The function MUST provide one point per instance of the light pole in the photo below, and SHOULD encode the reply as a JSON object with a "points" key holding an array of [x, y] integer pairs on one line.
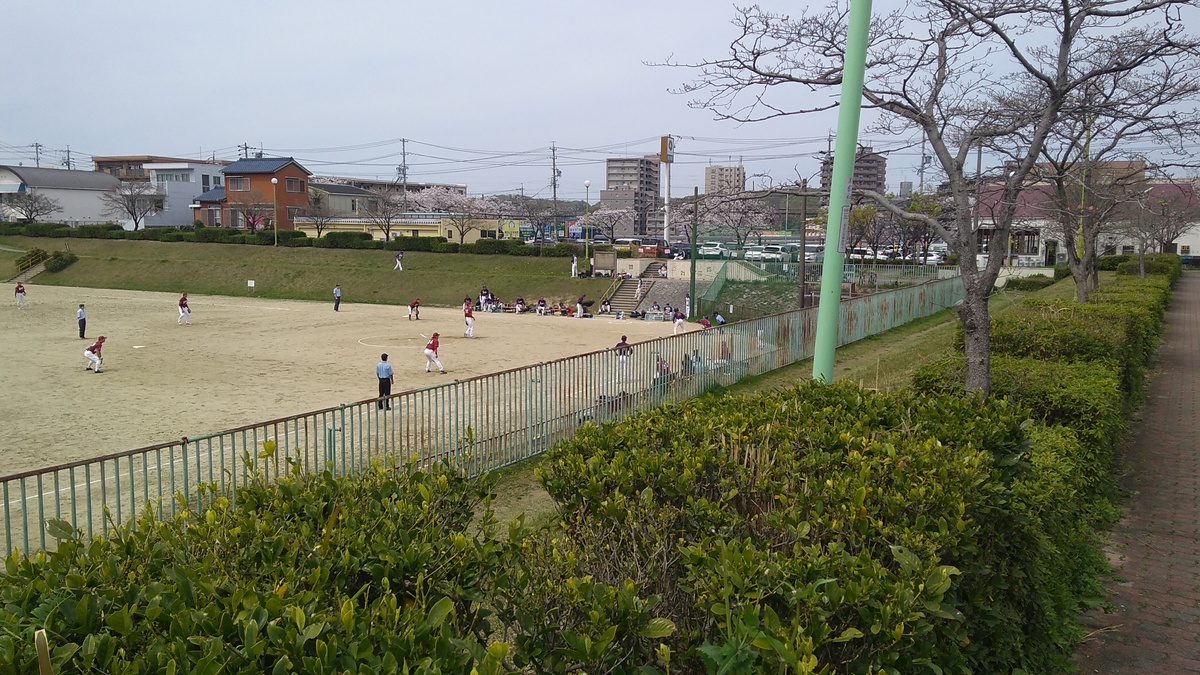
{"points": [[587, 187], [275, 208]]}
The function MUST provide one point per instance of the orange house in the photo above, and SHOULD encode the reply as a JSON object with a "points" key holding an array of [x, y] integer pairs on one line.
{"points": [[261, 190]]}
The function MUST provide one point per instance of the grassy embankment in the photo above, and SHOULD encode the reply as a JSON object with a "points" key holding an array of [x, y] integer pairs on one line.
{"points": [[305, 273]]}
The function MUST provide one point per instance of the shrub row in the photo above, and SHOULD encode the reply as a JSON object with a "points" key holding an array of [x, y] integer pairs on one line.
{"points": [[60, 260], [370, 574], [1033, 282], [821, 529], [350, 240]]}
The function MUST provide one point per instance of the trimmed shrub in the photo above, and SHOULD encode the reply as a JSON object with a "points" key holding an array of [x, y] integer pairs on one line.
{"points": [[1109, 263], [298, 242], [1062, 272], [171, 236], [445, 247], [787, 526], [1164, 264], [60, 260], [42, 229], [1033, 282], [288, 235], [1083, 396], [562, 250], [213, 234], [413, 243], [98, 231], [10, 229], [345, 240], [487, 247]]}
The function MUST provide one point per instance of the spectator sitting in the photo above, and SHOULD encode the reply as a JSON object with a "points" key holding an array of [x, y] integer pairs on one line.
{"points": [[605, 308], [719, 319], [541, 307], [562, 309], [705, 322], [668, 310], [662, 271], [655, 307], [520, 304]]}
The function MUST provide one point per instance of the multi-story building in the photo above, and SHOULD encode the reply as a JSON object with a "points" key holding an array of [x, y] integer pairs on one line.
{"points": [[374, 183], [724, 179], [178, 183], [632, 183], [132, 168], [870, 171]]}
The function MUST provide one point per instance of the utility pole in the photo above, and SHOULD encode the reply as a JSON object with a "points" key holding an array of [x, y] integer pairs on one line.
{"points": [[37, 154], [67, 161], [554, 174], [245, 148], [803, 242], [404, 169]]}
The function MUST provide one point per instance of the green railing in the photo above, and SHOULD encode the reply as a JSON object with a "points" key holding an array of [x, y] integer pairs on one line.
{"points": [[481, 424]]}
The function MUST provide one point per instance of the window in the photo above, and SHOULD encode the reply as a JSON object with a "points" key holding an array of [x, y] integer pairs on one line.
{"points": [[1025, 243], [236, 219], [416, 233], [204, 182], [1185, 250], [353, 205], [295, 185], [239, 184], [294, 212], [1127, 250]]}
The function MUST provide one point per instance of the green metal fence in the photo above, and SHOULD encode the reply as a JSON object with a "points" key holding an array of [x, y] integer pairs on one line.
{"points": [[481, 424]]}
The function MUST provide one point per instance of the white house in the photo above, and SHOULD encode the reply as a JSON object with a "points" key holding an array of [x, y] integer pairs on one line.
{"points": [[77, 193], [179, 183]]}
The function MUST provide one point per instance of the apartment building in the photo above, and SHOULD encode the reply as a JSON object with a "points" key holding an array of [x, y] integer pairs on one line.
{"points": [[633, 183], [870, 171], [724, 179]]}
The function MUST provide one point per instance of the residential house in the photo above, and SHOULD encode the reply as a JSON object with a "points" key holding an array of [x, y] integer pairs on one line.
{"points": [[77, 193], [131, 168], [256, 193], [179, 183]]}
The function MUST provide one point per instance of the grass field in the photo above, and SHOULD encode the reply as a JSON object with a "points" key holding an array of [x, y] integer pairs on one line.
{"points": [[439, 279]]}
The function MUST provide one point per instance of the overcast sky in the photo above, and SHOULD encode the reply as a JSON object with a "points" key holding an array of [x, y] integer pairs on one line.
{"points": [[480, 89]]}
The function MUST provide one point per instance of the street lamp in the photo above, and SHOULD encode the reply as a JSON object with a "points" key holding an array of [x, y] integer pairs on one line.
{"points": [[275, 208], [587, 187]]}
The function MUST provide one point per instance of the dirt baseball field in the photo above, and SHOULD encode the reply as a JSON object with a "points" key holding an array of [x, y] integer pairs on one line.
{"points": [[243, 360]]}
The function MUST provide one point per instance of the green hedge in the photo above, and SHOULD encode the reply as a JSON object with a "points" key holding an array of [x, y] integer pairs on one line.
{"points": [[1033, 282], [1168, 265], [826, 526], [346, 240], [371, 574], [1109, 263], [60, 260]]}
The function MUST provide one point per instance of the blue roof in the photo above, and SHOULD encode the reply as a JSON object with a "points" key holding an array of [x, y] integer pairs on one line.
{"points": [[262, 165], [213, 195]]}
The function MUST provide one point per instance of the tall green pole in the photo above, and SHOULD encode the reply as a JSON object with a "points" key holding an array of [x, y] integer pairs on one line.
{"points": [[853, 73], [692, 311]]}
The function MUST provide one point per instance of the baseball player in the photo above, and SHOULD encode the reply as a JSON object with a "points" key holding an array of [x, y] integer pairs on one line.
{"points": [[92, 354], [623, 349], [82, 317], [399, 259], [431, 355], [185, 312], [678, 327], [579, 306], [469, 318], [574, 265], [637, 295], [19, 294], [541, 307], [414, 310]]}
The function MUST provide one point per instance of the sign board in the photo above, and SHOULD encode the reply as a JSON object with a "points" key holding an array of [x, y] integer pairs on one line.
{"points": [[666, 152], [249, 283], [606, 260]]}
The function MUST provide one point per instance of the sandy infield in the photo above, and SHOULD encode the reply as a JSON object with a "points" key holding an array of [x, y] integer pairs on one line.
{"points": [[242, 361]]}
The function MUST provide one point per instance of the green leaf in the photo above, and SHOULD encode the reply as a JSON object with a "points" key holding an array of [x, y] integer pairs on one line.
{"points": [[848, 635], [347, 615], [441, 609], [120, 621], [909, 562], [59, 529], [657, 628], [268, 450]]}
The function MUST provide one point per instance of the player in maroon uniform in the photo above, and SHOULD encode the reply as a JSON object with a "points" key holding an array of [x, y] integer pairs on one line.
{"points": [[92, 354], [19, 293], [431, 354], [469, 317], [414, 310], [185, 312]]}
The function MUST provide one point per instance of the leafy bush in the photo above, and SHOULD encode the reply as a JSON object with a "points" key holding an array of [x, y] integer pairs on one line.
{"points": [[60, 260], [98, 231], [213, 234], [345, 240], [11, 229], [1109, 263], [1062, 272], [413, 243], [488, 247], [825, 526], [561, 250], [32, 257], [42, 229], [1168, 265], [171, 236], [1033, 282], [298, 242], [445, 247], [288, 235], [317, 574]]}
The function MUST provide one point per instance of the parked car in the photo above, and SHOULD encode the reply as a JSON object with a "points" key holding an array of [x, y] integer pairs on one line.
{"points": [[753, 253], [774, 254], [814, 253], [625, 244], [860, 254], [713, 249], [930, 258]]}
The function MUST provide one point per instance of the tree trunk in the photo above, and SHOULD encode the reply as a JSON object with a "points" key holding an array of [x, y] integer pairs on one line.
{"points": [[973, 312]]}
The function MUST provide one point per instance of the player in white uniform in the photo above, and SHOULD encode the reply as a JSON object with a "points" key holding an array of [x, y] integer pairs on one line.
{"points": [[469, 318], [678, 327], [431, 354]]}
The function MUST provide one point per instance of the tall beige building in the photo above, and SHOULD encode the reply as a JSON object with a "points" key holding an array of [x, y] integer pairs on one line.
{"points": [[724, 179], [870, 171], [632, 183]]}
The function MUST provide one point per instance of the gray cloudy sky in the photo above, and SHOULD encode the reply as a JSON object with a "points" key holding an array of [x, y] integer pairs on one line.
{"points": [[480, 89]]}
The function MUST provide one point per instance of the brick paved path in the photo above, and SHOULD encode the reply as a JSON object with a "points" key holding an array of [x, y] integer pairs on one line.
{"points": [[1156, 628]]}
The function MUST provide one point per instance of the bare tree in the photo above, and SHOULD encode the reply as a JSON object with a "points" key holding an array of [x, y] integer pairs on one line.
{"points": [[320, 212], [1157, 217], [967, 74], [132, 200], [739, 218], [255, 208], [30, 206], [384, 208]]}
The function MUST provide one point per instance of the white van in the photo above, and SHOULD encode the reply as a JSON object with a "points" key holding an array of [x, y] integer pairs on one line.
{"points": [[627, 244]]}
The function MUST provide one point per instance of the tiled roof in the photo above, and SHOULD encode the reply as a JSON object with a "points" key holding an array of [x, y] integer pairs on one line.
{"points": [[262, 165], [63, 178], [214, 195], [338, 189], [1037, 201]]}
